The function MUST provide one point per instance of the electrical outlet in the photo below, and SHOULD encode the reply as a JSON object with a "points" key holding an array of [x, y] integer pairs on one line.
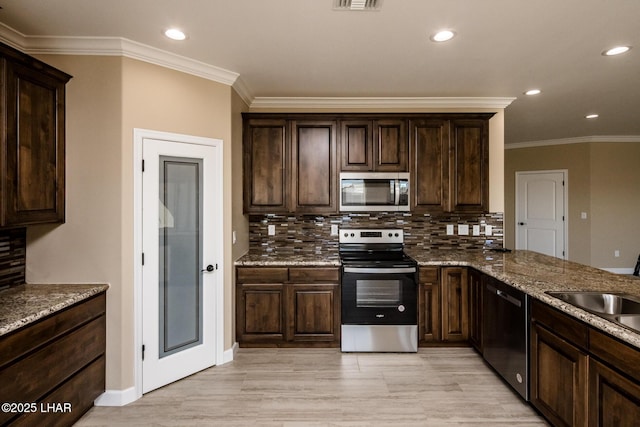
{"points": [[271, 230], [334, 229], [583, 215], [450, 230], [616, 253], [488, 230], [476, 230], [463, 230]]}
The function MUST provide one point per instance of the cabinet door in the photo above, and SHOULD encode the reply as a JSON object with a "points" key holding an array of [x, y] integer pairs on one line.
{"points": [[391, 150], [266, 180], [429, 140], [558, 372], [260, 313], [614, 400], [35, 147], [314, 167], [475, 309], [429, 306], [455, 304], [356, 145], [313, 312], [470, 166]]}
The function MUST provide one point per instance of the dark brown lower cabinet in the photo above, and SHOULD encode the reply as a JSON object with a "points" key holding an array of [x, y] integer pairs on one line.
{"points": [[614, 400], [581, 376], [455, 304], [57, 360], [429, 305], [288, 307], [558, 378]]}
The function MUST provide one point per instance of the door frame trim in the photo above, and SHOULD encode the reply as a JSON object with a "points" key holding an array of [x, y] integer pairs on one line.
{"points": [[565, 177], [138, 137]]}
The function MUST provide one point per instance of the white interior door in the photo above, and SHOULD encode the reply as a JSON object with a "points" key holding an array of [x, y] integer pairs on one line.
{"points": [[181, 213], [540, 212]]}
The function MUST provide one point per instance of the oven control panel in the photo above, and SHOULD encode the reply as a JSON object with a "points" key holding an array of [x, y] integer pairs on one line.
{"points": [[370, 235]]}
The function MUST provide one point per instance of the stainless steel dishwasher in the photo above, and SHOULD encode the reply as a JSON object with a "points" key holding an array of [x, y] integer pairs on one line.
{"points": [[506, 333]]}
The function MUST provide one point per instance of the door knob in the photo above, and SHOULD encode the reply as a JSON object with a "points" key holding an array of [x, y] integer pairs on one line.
{"points": [[210, 268]]}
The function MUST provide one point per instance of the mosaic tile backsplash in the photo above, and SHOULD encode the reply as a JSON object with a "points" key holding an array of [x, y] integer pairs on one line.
{"points": [[311, 234]]}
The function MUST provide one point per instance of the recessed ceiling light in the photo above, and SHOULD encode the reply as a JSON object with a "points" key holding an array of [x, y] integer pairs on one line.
{"points": [[533, 92], [591, 116], [616, 50], [443, 36], [175, 34]]}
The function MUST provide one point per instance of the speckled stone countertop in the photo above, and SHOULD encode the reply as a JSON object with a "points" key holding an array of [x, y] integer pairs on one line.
{"points": [[533, 273], [280, 260], [24, 304]]}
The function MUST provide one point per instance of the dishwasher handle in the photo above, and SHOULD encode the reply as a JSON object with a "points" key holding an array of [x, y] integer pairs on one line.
{"points": [[505, 296]]}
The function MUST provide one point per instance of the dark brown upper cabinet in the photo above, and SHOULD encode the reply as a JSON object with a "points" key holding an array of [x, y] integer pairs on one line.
{"points": [[313, 154], [469, 165], [32, 147], [292, 161], [266, 166], [374, 145], [450, 164]]}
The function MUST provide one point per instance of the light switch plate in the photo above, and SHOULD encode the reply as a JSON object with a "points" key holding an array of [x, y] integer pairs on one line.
{"points": [[463, 230], [583, 215], [476, 230], [449, 229], [334, 229], [271, 230], [488, 230]]}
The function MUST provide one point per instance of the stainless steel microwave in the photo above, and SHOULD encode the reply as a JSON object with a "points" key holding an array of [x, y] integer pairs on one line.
{"points": [[374, 191]]}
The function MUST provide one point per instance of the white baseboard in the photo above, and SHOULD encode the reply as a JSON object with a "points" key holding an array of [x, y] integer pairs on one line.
{"points": [[230, 354], [124, 397], [117, 397], [618, 270]]}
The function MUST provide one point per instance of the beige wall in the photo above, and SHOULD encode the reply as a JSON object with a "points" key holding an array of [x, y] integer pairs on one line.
{"points": [[107, 98], [604, 182], [615, 204]]}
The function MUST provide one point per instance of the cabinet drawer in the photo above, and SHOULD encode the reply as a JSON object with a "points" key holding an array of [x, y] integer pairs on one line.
{"points": [[561, 324], [32, 377], [310, 274], [625, 358], [429, 274], [80, 392], [39, 334], [262, 274]]}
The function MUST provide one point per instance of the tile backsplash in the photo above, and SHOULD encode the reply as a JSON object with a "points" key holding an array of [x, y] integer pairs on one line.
{"points": [[311, 234], [13, 250]]}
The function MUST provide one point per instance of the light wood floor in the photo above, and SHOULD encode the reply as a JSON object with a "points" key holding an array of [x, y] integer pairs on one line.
{"points": [[324, 387]]}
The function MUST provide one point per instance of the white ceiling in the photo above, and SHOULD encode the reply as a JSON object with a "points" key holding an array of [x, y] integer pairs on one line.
{"points": [[304, 48]]}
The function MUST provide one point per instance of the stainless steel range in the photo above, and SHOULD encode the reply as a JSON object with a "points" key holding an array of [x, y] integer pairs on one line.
{"points": [[379, 292]]}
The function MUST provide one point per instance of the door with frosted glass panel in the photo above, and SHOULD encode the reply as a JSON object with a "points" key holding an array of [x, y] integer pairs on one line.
{"points": [[180, 269]]}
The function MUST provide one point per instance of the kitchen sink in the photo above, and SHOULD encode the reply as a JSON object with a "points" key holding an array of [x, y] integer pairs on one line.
{"points": [[601, 303], [617, 307]]}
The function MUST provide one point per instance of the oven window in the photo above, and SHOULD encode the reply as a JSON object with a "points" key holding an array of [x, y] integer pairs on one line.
{"points": [[378, 293]]}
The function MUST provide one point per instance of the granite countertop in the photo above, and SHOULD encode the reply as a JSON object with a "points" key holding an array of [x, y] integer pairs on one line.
{"points": [[24, 304], [531, 272]]}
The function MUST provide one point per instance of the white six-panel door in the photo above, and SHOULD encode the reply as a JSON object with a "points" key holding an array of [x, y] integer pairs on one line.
{"points": [[540, 212]]}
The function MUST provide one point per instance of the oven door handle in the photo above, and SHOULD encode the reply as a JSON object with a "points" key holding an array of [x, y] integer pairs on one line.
{"points": [[380, 270]]}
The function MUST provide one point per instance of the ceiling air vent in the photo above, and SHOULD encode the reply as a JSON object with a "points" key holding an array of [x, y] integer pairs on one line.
{"points": [[357, 5]]}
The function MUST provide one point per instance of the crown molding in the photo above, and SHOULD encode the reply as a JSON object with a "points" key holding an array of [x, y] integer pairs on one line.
{"points": [[576, 140], [114, 46], [496, 103]]}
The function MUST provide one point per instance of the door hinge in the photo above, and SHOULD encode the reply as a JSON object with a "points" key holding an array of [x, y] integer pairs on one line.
{"points": [[142, 258], [142, 165], [563, 182], [142, 351]]}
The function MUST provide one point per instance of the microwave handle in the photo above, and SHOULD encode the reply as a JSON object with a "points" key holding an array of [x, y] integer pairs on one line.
{"points": [[397, 198]]}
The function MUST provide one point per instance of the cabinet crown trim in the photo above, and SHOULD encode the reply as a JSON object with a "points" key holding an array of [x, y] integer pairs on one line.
{"points": [[380, 102]]}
